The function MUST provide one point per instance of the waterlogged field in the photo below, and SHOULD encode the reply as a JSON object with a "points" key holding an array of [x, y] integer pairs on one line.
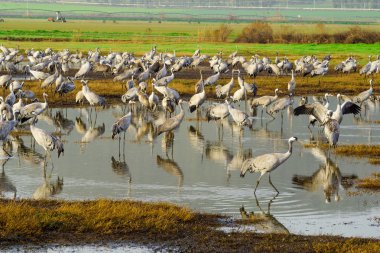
{"points": [[198, 166]]}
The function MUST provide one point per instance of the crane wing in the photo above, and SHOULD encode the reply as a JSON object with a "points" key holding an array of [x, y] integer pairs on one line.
{"points": [[315, 109], [349, 107]]}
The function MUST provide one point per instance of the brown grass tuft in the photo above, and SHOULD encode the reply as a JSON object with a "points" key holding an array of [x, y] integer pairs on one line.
{"points": [[372, 182], [257, 32]]}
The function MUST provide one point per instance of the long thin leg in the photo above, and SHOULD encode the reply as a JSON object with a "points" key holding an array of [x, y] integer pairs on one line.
{"points": [[270, 181], [119, 146], [257, 184]]}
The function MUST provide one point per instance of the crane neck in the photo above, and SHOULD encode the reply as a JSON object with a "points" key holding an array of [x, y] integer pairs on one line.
{"points": [[290, 150]]}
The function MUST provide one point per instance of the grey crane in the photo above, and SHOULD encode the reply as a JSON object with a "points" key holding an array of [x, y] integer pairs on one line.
{"points": [[173, 122], [366, 67], [50, 79], [6, 110], [92, 97], [5, 80], [153, 100], [319, 111], [5, 129], [199, 84], [265, 101], [79, 97], [85, 68], [225, 89], [39, 75], [16, 86], [239, 94], [331, 129], [266, 163], [16, 108], [250, 88], [65, 87], [212, 79], [143, 98], [32, 110], [292, 84], [121, 125], [47, 141], [11, 98], [164, 81], [217, 111], [281, 104], [363, 96], [197, 100], [162, 72], [240, 117], [168, 104]]}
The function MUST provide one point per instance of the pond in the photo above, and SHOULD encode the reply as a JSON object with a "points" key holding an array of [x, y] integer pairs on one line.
{"points": [[198, 166]]}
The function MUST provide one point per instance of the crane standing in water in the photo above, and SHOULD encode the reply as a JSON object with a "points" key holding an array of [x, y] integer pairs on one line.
{"points": [[266, 163]]}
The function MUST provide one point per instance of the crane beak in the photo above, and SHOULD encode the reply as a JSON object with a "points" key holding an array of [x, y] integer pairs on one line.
{"points": [[241, 174]]}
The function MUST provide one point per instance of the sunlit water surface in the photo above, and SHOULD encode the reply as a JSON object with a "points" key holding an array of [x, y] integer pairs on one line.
{"points": [[198, 166]]}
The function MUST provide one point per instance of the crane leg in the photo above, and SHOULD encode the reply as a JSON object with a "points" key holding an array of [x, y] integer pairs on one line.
{"points": [[119, 145], [270, 181], [257, 184]]}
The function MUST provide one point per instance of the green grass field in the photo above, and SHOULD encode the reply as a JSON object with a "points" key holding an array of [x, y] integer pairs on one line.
{"points": [[123, 12], [75, 30], [139, 36], [292, 50]]}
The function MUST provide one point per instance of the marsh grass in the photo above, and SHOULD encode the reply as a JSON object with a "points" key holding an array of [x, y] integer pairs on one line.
{"points": [[28, 219], [102, 221], [372, 182]]}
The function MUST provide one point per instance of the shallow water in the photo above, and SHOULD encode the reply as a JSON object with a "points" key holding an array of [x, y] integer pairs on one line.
{"points": [[198, 166]]}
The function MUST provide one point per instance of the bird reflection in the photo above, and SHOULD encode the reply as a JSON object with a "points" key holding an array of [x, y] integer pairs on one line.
{"points": [[6, 184], [26, 154], [63, 123], [80, 126], [238, 159], [171, 167], [328, 177], [264, 221], [91, 134], [167, 143], [49, 187], [218, 152], [121, 168], [196, 139]]}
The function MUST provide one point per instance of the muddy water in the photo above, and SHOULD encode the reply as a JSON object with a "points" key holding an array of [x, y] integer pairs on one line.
{"points": [[198, 166]]}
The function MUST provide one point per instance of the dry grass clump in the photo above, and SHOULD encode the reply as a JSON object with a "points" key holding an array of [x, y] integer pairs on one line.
{"points": [[349, 246], [28, 219], [219, 34], [257, 32], [372, 182], [359, 150]]}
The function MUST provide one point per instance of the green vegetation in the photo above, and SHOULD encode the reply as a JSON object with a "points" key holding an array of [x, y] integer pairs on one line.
{"points": [[63, 222], [338, 51], [93, 30]]}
